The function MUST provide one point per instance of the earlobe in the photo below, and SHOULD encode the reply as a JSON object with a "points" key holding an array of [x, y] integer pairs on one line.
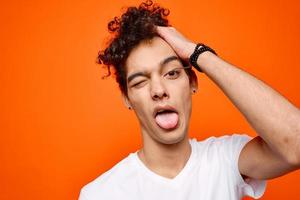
{"points": [[194, 83], [126, 102], [194, 91]]}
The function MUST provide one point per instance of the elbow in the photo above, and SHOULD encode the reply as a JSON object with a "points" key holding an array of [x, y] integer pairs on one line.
{"points": [[297, 160], [292, 142], [293, 157], [294, 161]]}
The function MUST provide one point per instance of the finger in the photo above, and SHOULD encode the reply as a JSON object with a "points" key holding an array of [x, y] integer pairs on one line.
{"points": [[159, 28], [160, 31]]}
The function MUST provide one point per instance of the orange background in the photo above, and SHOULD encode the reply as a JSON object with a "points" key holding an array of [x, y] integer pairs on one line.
{"points": [[62, 125]]}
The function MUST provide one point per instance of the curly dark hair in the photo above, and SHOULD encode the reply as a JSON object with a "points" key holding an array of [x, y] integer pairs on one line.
{"points": [[135, 25]]}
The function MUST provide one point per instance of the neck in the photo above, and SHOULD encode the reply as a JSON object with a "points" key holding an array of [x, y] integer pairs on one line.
{"points": [[165, 159]]}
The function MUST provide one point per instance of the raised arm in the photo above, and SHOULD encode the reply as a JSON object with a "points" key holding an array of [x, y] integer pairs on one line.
{"points": [[276, 151]]}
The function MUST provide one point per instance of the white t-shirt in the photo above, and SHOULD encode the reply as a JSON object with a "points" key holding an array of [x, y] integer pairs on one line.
{"points": [[210, 173]]}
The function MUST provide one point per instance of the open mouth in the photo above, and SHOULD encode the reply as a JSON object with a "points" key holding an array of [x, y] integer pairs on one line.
{"points": [[166, 118]]}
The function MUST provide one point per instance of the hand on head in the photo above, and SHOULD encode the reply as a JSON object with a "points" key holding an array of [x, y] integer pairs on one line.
{"points": [[181, 45]]}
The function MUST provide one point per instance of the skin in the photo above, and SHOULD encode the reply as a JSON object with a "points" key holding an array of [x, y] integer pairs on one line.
{"points": [[276, 149], [164, 151]]}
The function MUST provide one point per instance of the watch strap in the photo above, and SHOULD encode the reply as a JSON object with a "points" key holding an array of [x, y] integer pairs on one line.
{"points": [[200, 48]]}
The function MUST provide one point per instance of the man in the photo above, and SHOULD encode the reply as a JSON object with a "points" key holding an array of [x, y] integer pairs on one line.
{"points": [[157, 84]]}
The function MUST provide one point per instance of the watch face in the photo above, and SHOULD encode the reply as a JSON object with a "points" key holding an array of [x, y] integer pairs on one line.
{"points": [[199, 47]]}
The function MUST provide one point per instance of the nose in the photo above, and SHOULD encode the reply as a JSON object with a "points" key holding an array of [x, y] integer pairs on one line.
{"points": [[158, 90]]}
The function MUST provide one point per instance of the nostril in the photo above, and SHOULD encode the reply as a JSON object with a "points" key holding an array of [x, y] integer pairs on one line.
{"points": [[156, 96], [159, 93]]}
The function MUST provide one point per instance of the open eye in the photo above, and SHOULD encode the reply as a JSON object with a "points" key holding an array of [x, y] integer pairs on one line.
{"points": [[173, 73]]}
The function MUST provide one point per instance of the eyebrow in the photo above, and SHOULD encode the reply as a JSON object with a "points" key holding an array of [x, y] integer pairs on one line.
{"points": [[161, 64]]}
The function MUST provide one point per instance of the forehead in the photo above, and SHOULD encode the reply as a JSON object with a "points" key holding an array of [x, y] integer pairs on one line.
{"points": [[148, 54]]}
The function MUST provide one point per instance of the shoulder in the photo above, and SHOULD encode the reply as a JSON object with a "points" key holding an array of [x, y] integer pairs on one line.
{"points": [[227, 138], [224, 148], [226, 141], [105, 184], [221, 155]]}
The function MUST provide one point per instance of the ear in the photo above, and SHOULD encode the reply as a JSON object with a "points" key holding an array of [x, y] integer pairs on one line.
{"points": [[126, 101], [193, 83]]}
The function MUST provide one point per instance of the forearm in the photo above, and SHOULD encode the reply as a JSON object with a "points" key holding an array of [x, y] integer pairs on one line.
{"points": [[272, 116]]}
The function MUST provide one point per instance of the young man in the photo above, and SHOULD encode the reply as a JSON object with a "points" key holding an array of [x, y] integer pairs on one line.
{"points": [[157, 84]]}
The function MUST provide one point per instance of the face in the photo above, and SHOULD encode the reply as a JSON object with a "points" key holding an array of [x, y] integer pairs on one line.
{"points": [[152, 82]]}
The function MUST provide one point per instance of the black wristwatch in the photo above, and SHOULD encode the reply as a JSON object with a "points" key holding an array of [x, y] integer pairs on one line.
{"points": [[200, 48]]}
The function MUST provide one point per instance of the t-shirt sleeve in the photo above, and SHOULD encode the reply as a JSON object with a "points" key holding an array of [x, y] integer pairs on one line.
{"points": [[82, 195], [251, 187]]}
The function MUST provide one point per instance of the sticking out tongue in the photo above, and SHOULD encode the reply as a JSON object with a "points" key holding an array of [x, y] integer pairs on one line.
{"points": [[167, 120]]}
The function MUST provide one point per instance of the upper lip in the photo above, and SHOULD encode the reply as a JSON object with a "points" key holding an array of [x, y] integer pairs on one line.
{"points": [[163, 107]]}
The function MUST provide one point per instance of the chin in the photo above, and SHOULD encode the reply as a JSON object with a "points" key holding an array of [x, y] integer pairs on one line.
{"points": [[174, 139], [173, 136]]}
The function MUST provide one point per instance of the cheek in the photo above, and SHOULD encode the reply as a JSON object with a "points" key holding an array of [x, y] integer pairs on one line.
{"points": [[181, 88], [182, 94], [139, 96], [140, 102]]}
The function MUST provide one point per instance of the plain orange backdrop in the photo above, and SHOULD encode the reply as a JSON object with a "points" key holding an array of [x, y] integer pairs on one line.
{"points": [[62, 125]]}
